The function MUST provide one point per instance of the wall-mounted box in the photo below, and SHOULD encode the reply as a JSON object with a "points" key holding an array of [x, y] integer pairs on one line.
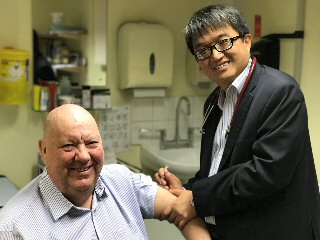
{"points": [[145, 56]]}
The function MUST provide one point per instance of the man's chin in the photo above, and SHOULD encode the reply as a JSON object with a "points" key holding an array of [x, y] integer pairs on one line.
{"points": [[84, 185]]}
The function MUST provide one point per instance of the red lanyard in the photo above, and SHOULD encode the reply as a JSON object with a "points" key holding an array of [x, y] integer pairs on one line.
{"points": [[244, 88]]}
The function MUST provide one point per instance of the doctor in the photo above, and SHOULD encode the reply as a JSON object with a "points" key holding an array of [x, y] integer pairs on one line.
{"points": [[257, 178]]}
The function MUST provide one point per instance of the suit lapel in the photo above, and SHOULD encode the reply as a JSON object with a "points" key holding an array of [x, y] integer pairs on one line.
{"points": [[207, 140], [239, 118]]}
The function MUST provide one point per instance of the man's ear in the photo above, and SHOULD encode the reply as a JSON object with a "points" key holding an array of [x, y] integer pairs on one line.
{"points": [[248, 39], [42, 148]]}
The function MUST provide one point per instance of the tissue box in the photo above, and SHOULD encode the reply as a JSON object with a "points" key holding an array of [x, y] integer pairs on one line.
{"points": [[101, 99]]}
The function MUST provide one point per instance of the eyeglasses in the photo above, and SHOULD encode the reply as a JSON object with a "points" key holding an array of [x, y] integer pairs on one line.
{"points": [[220, 46]]}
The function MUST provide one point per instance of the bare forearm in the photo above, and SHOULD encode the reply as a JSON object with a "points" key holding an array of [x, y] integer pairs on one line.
{"points": [[196, 229]]}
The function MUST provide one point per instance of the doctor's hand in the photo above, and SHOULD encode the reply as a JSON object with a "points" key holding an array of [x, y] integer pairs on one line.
{"points": [[167, 179], [181, 210]]}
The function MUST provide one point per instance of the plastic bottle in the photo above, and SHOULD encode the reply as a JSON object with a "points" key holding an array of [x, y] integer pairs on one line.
{"points": [[86, 97], [65, 86]]}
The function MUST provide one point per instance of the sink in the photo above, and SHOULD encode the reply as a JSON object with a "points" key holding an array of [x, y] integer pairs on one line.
{"points": [[183, 162]]}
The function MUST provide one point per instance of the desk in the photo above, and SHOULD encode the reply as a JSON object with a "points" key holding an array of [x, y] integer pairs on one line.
{"points": [[7, 190]]}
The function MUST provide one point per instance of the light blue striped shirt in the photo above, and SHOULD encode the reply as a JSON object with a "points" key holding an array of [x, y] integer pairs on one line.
{"points": [[122, 199]]}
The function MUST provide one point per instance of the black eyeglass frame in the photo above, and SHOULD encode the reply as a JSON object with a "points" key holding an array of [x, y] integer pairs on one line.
{"points": [[213, 46]]}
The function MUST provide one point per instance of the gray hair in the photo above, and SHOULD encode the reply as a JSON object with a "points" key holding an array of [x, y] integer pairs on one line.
{"points": [[214, 17]]}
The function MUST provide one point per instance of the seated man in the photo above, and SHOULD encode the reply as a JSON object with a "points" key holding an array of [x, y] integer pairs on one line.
{"points": [[76, 197]]}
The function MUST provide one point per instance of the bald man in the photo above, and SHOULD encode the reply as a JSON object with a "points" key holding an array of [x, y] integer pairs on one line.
{"points": [[76, 197]]}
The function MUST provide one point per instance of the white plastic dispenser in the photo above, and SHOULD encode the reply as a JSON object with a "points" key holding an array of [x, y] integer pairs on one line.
{"points": [[145, 56]]}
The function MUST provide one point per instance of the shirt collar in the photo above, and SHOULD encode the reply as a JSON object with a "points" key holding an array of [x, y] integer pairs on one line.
{"points": [[57, 204], [237, 84]]}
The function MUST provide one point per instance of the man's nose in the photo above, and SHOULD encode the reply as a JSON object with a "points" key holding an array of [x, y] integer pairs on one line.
{"points": [[82, 153], [215, 55]]}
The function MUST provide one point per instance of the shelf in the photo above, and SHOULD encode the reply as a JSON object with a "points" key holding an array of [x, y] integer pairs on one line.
{"points": [[71, 68], [66, 35], [88, 109]]}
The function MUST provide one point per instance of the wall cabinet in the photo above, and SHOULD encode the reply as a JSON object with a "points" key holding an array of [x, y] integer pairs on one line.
{"points": [[62, 50]]}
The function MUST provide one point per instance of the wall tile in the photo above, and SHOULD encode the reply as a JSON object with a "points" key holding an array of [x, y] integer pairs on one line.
{"points": [[141, 109]]}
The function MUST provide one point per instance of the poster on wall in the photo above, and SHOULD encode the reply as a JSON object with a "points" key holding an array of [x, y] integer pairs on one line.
{"points": [[114, 125]]}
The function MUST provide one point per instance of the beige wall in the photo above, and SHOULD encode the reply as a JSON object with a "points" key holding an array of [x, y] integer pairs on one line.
{"points": [[20, 128], [310, 82], [172, 14]]}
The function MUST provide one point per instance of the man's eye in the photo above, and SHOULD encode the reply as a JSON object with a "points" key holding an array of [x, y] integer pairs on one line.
{"points": [[92, 144], [223, 42], [68, 147], [205, 50]]}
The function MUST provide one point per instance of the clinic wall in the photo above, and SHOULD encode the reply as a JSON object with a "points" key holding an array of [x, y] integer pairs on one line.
{"points": [[310, 82], [172, 14], [273, 22], [20, 128]]}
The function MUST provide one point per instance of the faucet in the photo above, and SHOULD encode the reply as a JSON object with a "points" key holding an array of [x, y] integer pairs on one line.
{"points": [[177, 141]]}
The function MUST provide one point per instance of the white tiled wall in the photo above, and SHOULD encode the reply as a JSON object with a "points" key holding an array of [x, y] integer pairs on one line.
{"points": [[160, 113]]}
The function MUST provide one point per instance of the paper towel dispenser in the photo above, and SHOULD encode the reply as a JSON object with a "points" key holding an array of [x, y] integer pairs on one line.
{"points": [[145, 55]]}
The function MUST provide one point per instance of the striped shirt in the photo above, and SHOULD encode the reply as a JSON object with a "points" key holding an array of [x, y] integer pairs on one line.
{"points": [[121, 200], [227, 102]]}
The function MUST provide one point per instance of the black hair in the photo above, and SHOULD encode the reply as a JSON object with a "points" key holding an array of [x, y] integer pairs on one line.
{"points": [[211, 18]]}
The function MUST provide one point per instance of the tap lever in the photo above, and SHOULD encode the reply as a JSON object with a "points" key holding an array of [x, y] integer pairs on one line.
{"points": [[149, 132]]}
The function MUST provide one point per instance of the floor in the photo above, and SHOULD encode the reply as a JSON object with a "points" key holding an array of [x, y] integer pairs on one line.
{"points": [[162, 230]]}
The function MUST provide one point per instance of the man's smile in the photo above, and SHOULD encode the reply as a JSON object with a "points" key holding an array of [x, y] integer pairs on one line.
{"points": [[83, 169], [221, 66]]}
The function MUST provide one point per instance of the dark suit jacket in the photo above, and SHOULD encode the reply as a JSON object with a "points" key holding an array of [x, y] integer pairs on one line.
{"points": [[266, 186]]}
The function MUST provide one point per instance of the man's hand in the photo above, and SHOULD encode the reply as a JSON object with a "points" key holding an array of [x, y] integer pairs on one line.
{"points": [[181, 210], [167, 179], [194, 229]]}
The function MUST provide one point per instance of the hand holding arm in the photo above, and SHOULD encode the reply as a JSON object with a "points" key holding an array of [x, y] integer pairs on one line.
{"points": [[194, 228], [167, 179], [182, 211]]}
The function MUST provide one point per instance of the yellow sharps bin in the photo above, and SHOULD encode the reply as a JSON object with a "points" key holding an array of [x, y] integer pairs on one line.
{"points": [[13, 76]]}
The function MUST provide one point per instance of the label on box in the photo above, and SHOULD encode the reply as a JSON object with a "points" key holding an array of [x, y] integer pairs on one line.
{"points": [[101, 99]]}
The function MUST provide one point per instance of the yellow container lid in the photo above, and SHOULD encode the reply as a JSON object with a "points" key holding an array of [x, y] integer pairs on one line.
{"points": [[16, 54]]}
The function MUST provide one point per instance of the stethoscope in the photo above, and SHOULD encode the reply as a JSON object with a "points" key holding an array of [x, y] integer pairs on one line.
{"points": [[215, 97]]}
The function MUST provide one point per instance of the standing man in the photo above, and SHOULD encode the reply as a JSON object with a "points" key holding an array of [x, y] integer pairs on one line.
{"points": [[257, 177]]}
